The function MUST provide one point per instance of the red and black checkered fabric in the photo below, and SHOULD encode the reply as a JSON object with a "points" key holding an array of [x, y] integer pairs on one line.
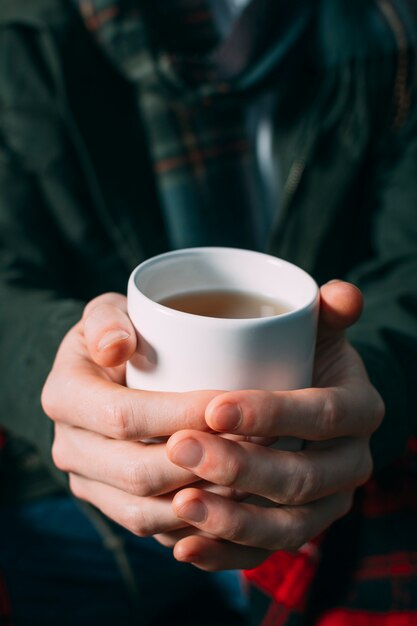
{"points": [[362, 572]]}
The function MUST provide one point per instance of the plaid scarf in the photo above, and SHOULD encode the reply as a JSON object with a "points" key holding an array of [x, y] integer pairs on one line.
{"points": [[188, 79]]}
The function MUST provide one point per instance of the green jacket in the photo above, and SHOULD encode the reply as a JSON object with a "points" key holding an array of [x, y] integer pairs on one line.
{"points": [[75, 216]]}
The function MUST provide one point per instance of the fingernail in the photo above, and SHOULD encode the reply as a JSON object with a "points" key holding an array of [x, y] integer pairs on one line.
{"points": [[227, 418], [194, 511], [187, 453], [112, 337]]}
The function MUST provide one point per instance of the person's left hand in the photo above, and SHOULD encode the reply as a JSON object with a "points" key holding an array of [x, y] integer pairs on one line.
{"points": [[299, 494]]}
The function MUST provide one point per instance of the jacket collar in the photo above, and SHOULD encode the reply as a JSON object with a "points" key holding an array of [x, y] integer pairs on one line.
{"points": [[160, 38]]}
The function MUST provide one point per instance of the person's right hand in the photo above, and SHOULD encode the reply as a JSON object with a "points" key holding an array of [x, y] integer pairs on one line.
{"points": [[99, 423]]}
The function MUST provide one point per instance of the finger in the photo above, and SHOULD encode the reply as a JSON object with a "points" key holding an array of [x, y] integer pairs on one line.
{"points": [[280, 528], [133, 467], [315, 414], [283, 477], [141, 516], [166, 539], [341, 305], [170, 539], [213, 555], [75, 393], [108, 331]]}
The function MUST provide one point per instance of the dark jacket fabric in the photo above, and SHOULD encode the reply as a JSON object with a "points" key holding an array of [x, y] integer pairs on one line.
{"points": [[79, 206]]}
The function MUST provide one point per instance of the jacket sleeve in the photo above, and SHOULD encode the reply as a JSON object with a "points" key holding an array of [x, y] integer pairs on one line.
{"points": [[386, 335], [35, 310]]}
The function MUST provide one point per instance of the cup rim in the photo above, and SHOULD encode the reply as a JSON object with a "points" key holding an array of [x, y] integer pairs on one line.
{"points": [[147, 264]]}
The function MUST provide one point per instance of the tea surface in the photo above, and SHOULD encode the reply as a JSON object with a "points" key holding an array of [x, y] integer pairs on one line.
{"points": [[226, 304]]}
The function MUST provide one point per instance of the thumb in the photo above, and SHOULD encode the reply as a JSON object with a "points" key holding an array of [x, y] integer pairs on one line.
{"points": [[108, 331], [341, 305]]}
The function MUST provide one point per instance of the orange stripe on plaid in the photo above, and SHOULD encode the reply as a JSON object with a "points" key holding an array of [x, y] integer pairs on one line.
{"points": [[197, 157], [94, 20]]}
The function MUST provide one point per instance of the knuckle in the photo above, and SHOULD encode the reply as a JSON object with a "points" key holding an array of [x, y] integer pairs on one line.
{"points": [[305, 484], [58, 455], [250, 411], [255, 403], [103, 299], [296, 533], [235, 529], [90, 306], [49, 398], [379, 413], [228, 475], [138, 522], [116, 420], [76, 487], [332, 411], [311, 486], [192, 412], [137, 480]]}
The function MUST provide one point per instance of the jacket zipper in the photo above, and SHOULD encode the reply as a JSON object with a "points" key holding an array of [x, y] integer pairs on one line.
{"points": [[293, 182], [310, 135], [402, 99]]}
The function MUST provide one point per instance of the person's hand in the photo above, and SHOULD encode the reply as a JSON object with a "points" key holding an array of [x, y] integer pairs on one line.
{"points": [[305, 491], [99, 423]]}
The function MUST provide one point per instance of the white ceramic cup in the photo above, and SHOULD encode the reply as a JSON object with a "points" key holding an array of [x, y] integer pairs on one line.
{"points": [[182, 352]]}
